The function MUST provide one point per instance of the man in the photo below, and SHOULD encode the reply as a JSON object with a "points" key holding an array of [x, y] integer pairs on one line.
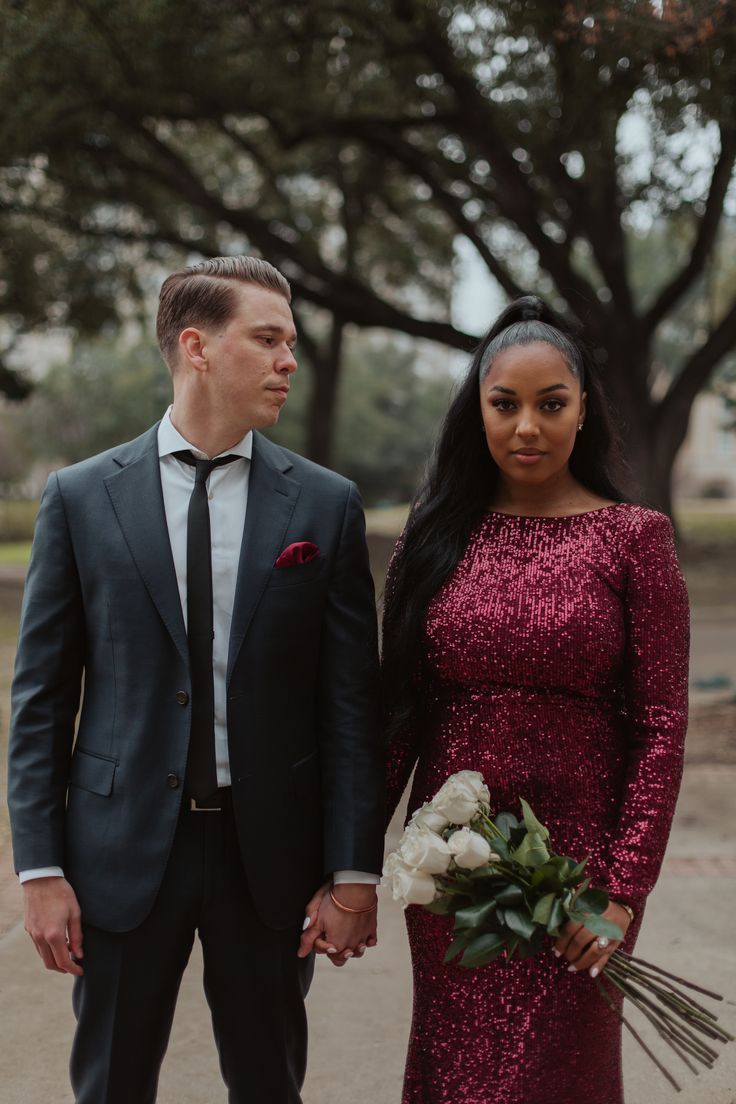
{"points": [[221, 617]]}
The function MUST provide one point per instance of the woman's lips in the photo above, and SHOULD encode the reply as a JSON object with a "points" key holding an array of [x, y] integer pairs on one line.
{"points": [[528, 457]]}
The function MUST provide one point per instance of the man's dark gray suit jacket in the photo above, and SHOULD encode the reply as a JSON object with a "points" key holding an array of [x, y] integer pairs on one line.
{"points": [[102, 606]]}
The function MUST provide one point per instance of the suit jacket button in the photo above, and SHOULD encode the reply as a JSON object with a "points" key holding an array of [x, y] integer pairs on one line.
{"points": [[172, 781], [182, 697]]}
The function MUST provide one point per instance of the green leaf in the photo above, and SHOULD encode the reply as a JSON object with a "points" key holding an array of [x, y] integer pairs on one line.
{"points": [[482, 872], [510, 894], [520, 923], [459, 943], [501, 847], [474, 916], [557, 917], [597, 925], [532, 851], [483, 950], [547, 877], [576, 872], [543, 909], [592, 900], [505, 822], [442, 906], [531, 822]]}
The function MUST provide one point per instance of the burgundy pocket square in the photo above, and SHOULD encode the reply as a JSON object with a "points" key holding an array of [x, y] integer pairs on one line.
{"points": [[300, 553]]}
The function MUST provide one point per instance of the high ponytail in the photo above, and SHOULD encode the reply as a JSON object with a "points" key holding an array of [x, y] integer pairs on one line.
{"points": [[461, 482]]}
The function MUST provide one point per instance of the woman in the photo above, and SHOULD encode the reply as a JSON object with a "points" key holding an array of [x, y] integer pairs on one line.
{"points": [[536, 630]]}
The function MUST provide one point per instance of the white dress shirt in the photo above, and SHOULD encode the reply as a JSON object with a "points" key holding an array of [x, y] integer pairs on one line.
{"points": [[227, 491]]}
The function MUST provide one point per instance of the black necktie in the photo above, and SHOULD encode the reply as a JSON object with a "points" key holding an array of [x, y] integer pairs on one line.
{"points": [[201, 774]]}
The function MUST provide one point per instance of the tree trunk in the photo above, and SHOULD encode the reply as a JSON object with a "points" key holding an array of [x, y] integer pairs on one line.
{"points": [[326, 368]]}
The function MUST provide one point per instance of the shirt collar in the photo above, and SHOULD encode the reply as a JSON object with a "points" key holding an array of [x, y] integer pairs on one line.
{"points": [[170, 440]]}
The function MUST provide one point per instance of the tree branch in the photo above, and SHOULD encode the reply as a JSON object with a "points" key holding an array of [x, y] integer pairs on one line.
{"points": [[697, 371], [706, 233]]}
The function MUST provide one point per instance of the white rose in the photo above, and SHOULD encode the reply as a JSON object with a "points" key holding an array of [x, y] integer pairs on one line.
{"points": [[469, 849], [428, 817], [459, 798], [411, 887], [424, 850]]}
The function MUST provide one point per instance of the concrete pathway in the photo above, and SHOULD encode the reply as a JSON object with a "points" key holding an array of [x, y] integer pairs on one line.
{"points": [[360, 1015]]}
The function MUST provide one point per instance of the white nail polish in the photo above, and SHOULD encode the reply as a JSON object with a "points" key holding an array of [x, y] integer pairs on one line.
{"points": [[572, 969], [307, 922], [556, 953], [594, 971], [332, 950]]}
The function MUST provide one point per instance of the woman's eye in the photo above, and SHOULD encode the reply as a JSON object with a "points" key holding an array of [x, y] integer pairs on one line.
{"points": [[503, 404], [552, 405]]}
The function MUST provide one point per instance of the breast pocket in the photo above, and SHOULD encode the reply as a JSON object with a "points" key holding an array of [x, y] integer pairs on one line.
{"points": [[297, 574]]}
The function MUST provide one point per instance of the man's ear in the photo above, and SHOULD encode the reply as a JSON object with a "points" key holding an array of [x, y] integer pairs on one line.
{"points": [[191, 349]]}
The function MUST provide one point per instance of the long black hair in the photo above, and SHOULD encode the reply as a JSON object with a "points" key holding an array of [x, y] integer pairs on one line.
{"points": [[460, 485]]}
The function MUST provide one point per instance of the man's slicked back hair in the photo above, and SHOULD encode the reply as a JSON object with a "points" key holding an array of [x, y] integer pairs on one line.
{"points": [[204, 295]]}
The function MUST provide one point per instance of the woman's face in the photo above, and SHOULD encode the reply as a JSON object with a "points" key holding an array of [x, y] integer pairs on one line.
{"points": [[531, 406]]}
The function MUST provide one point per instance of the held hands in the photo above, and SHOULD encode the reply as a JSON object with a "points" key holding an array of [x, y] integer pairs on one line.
{"points": [[54, 922], [332, 931], [580, 946]]}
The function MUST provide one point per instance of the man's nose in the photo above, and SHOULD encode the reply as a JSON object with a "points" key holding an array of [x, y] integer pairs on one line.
{"points": [[287, 362]]}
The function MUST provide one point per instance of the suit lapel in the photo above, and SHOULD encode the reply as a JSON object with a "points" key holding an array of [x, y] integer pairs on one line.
{"points": [[272, 497], [137, 499]]}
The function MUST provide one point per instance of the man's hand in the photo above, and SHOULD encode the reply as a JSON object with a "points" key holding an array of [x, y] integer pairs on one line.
{"points": [[54, 922], [339, 934]]}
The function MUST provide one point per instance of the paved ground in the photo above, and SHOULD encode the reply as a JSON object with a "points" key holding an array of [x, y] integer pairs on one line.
{"points": [[360, 1015]]}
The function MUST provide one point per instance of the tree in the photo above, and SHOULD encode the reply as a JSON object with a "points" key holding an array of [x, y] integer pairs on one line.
{"points": [[352, 141], [104, 392], [108, 390]]}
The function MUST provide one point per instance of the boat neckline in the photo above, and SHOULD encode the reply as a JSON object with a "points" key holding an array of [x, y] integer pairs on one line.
{"points": [[556, 517]]}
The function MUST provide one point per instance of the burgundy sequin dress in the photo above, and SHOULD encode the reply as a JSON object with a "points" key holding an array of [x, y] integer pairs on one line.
{"points": [[555, 663]]}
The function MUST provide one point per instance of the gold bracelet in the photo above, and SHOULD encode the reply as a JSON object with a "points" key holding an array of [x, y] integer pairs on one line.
{"points": [[627, 908], [346, 908]]}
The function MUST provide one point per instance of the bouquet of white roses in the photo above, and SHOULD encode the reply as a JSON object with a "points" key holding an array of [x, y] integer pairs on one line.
{"points": [[509, 892]]}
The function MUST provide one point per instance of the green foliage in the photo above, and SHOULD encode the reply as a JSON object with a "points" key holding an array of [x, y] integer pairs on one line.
{"points": [[103, 394], [389, 409], [353, 143], [520, 899], [106, 392]]}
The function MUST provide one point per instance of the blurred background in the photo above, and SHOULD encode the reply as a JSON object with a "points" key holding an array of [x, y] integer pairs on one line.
{"points": [[410, 165]]}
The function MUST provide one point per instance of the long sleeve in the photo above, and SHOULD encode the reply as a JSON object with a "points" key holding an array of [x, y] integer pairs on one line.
{"points": [[403, 748], [350, 743], [46, 691], [656, 683]]}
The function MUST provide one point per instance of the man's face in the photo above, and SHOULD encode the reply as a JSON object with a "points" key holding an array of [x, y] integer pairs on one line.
{"points": [[250, 359]]}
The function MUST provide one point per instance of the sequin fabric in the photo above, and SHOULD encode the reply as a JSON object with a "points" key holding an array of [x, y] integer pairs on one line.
{"points": [[555, 663]]}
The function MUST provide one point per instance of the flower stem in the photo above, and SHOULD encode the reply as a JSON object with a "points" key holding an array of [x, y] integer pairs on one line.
{"points": [[606, 996]]}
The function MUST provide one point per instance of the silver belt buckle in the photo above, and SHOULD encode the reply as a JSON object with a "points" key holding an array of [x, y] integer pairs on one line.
{"points": [[195, 808]]}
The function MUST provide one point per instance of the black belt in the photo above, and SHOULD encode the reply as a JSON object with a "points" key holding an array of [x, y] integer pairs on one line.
{"points": [[217, 803]]}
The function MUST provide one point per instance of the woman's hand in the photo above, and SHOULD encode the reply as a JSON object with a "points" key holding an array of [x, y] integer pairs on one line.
{"points": [[580, 946]]}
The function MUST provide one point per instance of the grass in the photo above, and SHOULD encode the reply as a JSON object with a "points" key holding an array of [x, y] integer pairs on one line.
{"points": [[706, 526], [15, 553], [17, 519]]}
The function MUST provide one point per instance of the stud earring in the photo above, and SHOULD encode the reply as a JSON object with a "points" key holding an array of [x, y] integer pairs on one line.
{"points": [[580, 426]]}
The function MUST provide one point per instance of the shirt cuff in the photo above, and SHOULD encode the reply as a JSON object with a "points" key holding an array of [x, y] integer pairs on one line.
{"points": [[360, 877], [40, 872]]}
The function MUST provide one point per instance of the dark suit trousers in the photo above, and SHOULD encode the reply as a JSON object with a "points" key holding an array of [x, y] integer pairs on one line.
{"points": [[254, 983]]}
